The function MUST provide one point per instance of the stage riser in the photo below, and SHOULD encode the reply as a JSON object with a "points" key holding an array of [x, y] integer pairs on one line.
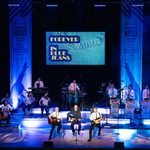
{"points": [[101, 110]]}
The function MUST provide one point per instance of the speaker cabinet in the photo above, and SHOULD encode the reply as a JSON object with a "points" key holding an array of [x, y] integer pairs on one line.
{"points": [[119, 145], [47, 144]]}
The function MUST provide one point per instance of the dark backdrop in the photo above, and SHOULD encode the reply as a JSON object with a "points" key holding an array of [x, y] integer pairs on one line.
{"points": [[146, 45], [75, 17], [4, 49]]}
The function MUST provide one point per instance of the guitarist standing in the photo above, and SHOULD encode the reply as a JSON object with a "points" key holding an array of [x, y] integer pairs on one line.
{"points": [[95, 122], [75, 118], [55, 120]]}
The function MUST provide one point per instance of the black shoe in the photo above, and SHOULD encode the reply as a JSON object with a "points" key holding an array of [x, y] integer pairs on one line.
{"points": [[99, 134], [89, 140]]}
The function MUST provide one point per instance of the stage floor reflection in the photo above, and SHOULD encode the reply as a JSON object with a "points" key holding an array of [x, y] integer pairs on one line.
{"points": [[34, 138]]}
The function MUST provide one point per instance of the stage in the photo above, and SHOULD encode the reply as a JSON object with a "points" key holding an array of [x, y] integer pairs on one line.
{"points": [[33, 132]]}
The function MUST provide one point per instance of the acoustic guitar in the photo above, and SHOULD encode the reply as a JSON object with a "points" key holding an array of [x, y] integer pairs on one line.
{"points": [[98, 120], [53, 120]]}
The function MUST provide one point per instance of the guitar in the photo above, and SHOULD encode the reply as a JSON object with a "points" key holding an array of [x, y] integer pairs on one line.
{"points": [[72, 118], [53, 120], [98, 120]]}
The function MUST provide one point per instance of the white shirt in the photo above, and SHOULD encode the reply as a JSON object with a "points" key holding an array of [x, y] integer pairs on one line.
{"points": [[112, 92], [73, 87], [41, 84], [44, 101], [55, 114], [95, 116], [128, 94], [146, 93], [6, 110], [29, 100]]}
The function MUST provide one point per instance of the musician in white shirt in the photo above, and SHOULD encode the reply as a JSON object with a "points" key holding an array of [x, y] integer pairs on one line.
{"points": [[6, 111], [146, 93], [55, 118], [112, 92], [44, 103], [28, 102], [39, 83], [128, 93], [73, 92], [95, 118]]}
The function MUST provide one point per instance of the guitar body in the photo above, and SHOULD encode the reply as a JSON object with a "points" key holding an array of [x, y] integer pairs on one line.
{"points": [[98, 120], [70, 119], [53, 120]]}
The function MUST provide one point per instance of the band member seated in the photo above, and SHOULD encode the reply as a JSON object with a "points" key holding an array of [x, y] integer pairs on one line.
{"points": [[6, 111], [146, 93], [28, 102], [8, 99], [95, 118], [55, 120], [128, 93], [73, 92], [39, 83], [44, 104], [74, 117], [112, 92]]}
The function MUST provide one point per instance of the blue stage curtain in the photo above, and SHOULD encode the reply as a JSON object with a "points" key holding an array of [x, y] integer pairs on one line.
{"points": [[131, 45], [20, 28]]}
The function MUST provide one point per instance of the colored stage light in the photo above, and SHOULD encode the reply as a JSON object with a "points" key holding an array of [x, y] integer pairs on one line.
{"points": [[146, 121], [13, 5], [99, 5], [51, 5], [137, 5], [125, 134]]}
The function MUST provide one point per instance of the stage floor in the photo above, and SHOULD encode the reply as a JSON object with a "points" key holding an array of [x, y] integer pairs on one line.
{"points": [[34, 138]]}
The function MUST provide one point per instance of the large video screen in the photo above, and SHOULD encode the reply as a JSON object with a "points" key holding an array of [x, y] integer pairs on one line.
{"points": [[75, 48]]}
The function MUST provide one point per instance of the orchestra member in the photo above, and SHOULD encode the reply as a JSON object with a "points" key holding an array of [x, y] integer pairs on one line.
{"points": [[109, 86], [6, 111], [55, 120], [28, 102], [8, 99], [39, 83], [146, 93], [112, 92], [75, 118], [128, 93], [73, 92], [95, 118], [44, 104]]}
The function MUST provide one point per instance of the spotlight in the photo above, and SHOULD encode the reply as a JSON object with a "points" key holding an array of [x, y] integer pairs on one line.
{"points": [[51, 5], [137, 5], [99, 5], [13, 5]]}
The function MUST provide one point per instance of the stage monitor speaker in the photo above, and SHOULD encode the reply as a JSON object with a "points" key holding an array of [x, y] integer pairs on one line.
{"points": [[119, 145], [47, 144]]}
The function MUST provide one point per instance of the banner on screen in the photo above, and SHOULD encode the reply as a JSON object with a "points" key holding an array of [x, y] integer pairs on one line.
{"points": [[75, 48]]}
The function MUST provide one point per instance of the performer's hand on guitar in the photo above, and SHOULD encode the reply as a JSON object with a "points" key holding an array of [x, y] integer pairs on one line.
{"points": [[79, 119]]}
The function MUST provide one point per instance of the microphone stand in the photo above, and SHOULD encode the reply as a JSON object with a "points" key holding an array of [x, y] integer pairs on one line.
{"points": [[117, 133], [63, 95]]}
